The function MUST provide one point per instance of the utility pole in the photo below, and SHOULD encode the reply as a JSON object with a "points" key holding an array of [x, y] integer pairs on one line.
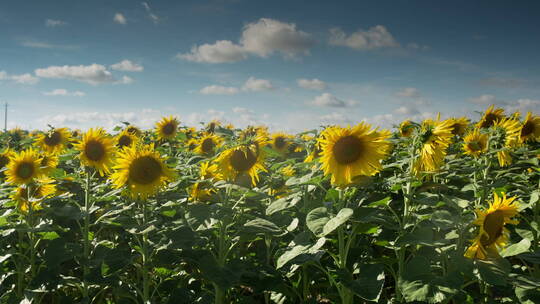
{"points": [[5, 117]]}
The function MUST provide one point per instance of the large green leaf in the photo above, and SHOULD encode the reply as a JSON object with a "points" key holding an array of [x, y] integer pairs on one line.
{"points": [[316, 219], [336, 221], [260, 225]]}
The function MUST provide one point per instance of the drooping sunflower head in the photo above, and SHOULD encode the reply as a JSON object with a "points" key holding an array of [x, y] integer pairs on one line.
{"points": [[406, 128], [200, 192], [492, 235], [208, 144], [31, 195], [167, 128], [490, 117], [54, 141], [475, 143], [434, 138], [352, 151], [210, 171], [126, 139], [142, 170], [242, 161], [459, 125], [24, 167], [48, 162], [505, 136], [281, 141], [97, 150], [530, 130]]}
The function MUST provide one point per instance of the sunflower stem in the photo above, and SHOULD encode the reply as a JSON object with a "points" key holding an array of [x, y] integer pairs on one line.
{"points": [[146, 282], [86, 232]]}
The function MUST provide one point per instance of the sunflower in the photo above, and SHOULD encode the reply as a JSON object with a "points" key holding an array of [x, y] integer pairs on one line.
{"points": [[142, 170], [435, 137], [251, 131], [493, 236], [406, 128], [54, 141], [210, 171], [475, 143], [490, 117], [211, 126], [530, 130], [131, 129], [96, 150], [506, 137], [199, 193], [192, 144], [459, 125], [34, 193], [125, 139], [352, 151], [242, 161], [281, 141], [167, 128], [24, 167], [4, 159], [288, 171], [48, 162], [208, 144]]}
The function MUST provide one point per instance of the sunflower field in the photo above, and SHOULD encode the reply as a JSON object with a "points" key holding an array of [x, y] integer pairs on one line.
{"points": [[437, 211]]}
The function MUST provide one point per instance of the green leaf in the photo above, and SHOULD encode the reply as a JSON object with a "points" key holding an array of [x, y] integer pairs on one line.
{"points": [[316, 219], [515, 249], [494, 272], [384, 202], [260, 225], [282, 204], [298, 250], [342, 217], [368, 284]]}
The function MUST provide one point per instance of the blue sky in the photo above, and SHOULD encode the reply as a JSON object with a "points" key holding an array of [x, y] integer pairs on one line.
{"points": [[292, 65]]}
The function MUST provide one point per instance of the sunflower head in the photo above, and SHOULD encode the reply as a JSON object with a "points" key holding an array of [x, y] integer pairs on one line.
{"points": [[406, 128], [490, 117], [434, 138], [31, 195], [492, 235], [54, 141], [131, 129], [212, 126], [459, 125], [208, 144], [281, 141], [288, 171], [210, 171], [352, 151], [475, 143], [126, 139], [242, 161], [142, 171], [199, 192], [167, 128], [530, 130], [96, 150], [505, 136], [24, 167], [48, 162]]}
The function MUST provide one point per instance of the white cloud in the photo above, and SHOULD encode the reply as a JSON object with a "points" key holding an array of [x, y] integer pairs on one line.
{"points": [[329, 100], [20, 79], [373, 38], [120, 19], [127, 66], [64, 92], [261, 38], [93, 74], [523, 105], [409, 93], [221, 51], [335, 119], [218, 90], [407, 110], [311, 84], [485, 99], [257, 85], [46, 45], [54, 23], [151, 15]]}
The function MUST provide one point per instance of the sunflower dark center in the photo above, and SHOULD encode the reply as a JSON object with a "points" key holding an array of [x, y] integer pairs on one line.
{"points": [[208, 145], [53, 139], [280, 142], [489, 119], [25, 170], [45, 161], [145, 170], [347, 149], [124, 141], [528, 129], [94, 150], [168, 129], [4, 160], [493, 226], [133, 130], [243, 160], [475, 145]]}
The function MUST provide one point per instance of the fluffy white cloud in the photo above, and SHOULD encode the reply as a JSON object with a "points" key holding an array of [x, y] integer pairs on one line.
{"points": [[20, 79], [407, 110], [335, 119], [127, 66], [261, 38], [64, 92], [256, 85], [329, 100], [373, 38], [221, 51], [120, 19], [93, 74], [409, 93], [54, 23], [523, 105], [311, 84], [218, 90], [484, 99]]}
